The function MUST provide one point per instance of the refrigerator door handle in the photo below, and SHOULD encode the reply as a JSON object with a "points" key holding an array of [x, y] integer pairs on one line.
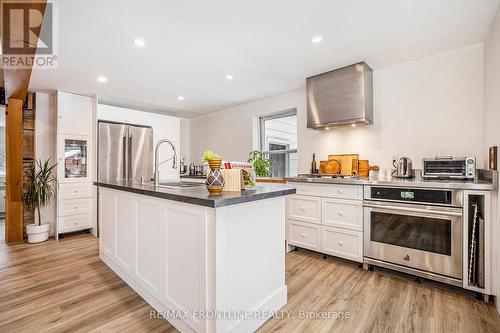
{"points": [[124, 158], [130, 176]]}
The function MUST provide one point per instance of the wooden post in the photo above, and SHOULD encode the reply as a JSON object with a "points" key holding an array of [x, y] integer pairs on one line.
{"points": [[14, 171]]}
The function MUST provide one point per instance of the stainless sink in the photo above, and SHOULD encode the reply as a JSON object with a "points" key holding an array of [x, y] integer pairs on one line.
{"points": [[177, 185]]}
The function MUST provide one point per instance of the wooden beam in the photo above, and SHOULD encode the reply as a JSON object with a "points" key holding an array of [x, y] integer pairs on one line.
{"points": [[17, 40], [16, 80], [14, 171]]}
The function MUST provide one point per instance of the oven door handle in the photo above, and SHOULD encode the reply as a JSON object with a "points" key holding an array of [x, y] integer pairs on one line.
{"points": [[414, 210]]}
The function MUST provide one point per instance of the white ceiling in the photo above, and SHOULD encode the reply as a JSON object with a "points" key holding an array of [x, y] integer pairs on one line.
{"points": [[265, 44]]}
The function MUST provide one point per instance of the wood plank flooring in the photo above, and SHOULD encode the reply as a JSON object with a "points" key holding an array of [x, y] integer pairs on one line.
{"points": [[63, 287]]}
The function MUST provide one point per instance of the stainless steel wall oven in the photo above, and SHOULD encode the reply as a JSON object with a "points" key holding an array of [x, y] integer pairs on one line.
{"points": [[417, 231]]}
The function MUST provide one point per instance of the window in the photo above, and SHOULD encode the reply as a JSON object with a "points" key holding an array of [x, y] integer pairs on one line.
{"points": [[279, 141]]}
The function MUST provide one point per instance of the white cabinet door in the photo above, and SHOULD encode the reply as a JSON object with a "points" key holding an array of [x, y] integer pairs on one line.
{"points": [[74, 207], [75, 190], [345, 214], [150, 254], [305, 235], [342, 243], [304, 208], [75, 114], [75, 222], [107, 222], [185, 258], [125, 233], [350, 192]]}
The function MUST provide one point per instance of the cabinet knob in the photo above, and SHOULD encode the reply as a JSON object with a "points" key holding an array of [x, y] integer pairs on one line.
{"points": [[303, 235], [302, 208], [76, 207], [340, 191], [76, 191], [341, 243], [340, 213]]}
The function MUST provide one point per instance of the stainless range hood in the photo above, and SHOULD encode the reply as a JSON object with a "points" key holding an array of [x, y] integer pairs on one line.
{"points": [[340, 97]]}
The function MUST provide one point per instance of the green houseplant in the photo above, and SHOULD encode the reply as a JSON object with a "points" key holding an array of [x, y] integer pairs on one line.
{"points": [[261, 164], [38, 191]]}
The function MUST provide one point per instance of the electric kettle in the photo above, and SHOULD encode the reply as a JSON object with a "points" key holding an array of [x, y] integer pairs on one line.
{"points": [[404, 168]]}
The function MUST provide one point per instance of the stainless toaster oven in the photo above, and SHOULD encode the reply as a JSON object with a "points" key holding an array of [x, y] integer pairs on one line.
{"points": [[449, 167]]}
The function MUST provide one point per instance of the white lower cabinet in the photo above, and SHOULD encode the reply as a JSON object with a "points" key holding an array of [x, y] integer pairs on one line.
{"points": [[75, 222], [342, 243], [75, 207], [304, 208], [327, 219], [342, 214], [305, 235], [159, 246]]}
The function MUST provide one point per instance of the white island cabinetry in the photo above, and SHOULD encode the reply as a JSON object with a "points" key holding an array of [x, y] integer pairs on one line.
{"points": [[187, 258]]}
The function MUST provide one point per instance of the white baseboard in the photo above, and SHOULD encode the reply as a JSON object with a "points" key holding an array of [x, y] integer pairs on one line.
{"points": [[274, 303]]}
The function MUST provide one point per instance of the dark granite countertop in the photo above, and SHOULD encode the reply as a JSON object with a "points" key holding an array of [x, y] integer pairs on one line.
{"points": [[200, 196]]}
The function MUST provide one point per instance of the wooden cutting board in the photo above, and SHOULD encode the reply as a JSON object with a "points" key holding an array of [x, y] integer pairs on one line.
{"points": [[348, 162], [331, 167], [365, 168]]}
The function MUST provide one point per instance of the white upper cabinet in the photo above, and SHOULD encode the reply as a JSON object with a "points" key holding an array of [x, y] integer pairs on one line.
{"points": [[74, 114], [164, 127]]}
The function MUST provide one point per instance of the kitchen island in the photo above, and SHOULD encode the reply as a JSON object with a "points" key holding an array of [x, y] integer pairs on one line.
{"points": [[205, 263]]}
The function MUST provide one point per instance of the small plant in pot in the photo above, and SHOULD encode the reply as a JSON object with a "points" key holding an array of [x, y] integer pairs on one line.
{"points": [[38, 191], [261, 164]]}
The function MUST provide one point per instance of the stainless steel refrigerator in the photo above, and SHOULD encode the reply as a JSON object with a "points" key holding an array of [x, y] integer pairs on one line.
{"points": [[125, 153]]}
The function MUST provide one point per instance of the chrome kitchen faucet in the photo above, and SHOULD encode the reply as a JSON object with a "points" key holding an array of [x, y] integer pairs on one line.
{"points": [[157, 164]]}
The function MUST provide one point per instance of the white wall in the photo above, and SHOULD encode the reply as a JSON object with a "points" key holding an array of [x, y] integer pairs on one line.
{"points": [[421, 108], [491, 128], [164, 127], [185, 140], [45, 142], [233, 133]]}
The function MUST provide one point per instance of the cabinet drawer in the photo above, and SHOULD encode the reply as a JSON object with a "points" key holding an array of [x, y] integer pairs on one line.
{"points": [[306, 235], [304, 208], [342, 243], [75, 206], [75, 222], [353, 192], [342, 214], [75, 191]]}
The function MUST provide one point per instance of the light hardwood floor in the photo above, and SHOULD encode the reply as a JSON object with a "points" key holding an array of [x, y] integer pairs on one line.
{"points": [[63, 287]]}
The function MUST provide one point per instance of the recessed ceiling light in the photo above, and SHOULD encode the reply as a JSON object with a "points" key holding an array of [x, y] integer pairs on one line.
{"points": [[317, 39], [139, 42], [180, 98], [102, 79], [229, 77]]}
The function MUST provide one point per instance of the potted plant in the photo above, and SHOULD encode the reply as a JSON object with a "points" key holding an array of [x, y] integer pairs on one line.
{"points": [[38, 191], [261, 164]]}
